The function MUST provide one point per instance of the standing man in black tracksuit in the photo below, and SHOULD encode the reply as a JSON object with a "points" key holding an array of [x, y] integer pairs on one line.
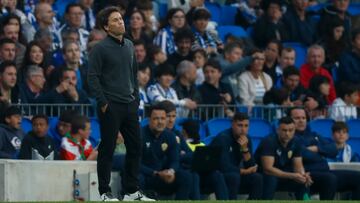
{"points": [[112, 79]]}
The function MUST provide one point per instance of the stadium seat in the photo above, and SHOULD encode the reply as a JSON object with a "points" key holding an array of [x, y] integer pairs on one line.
{"points": [[216, 125], [322, 127], [250, 31], [259, 128], [144, 122], [316, 8], [163, 8], [202, 130], [214, 10], [354, 128], [208, 140], [300, 50], [26, 125], [236, 31], [53, 122], [95, 135], [228, 14], [354, 9]]}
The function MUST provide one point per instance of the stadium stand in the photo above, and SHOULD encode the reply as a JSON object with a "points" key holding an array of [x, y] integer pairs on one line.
{"points": [[236, 31], [228, 15], [322, 127], [26, 125]]}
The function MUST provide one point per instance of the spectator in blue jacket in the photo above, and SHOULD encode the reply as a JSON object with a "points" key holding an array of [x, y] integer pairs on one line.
{"points": [[349, 62], [11, 134], [315, 150], [160, 169], [237, 160], [345, 154]]}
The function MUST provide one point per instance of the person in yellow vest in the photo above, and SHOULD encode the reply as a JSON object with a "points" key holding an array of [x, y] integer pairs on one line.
{"points": [[190, 133]]}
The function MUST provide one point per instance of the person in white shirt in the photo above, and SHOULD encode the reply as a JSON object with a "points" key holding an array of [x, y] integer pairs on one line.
{"points": [[343, 107]]}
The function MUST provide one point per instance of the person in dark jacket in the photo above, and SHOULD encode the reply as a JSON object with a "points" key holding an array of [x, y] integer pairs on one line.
{"points": [[315, 149], [11, 134], [37, 144], [9, 90], [160, 164], [237, 161]]}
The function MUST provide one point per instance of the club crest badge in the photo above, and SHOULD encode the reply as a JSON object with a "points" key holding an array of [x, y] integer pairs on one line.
{"points": [[290, 154], [164, 147], [177, 139]]}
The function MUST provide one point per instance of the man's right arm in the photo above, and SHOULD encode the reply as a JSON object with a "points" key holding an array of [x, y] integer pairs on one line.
{"points": [[267, 163], [95, 70]]}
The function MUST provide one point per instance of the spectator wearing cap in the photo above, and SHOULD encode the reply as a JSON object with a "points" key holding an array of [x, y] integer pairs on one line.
{"points": [[183, 40], [299, 24], [162, 90], [11, 134], [205, 39], [270, 26], [315, 60], [215, 91]]}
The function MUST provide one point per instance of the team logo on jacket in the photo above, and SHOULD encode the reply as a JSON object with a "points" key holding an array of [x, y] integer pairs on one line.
{"points": [[278, 152], [290, 154], [177, 139], [16, 143], [164, 147], [147, 144]]}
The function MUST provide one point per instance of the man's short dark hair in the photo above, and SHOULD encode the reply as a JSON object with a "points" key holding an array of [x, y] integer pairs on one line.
{"points": [[139, 42], [10, 111], [6, 41], [231, 46], [290, 70], [67, 115], [155, 107], [201, 14], [105, 14], [40, 116], [346, 89], [286, 120], [168, 106], [183, 33], [214, 64], [144, 5], [153, 50], [6, 64], [164, 69], [339, 125], [290, 110], [239, 116], [71, 5], [78, 122], [143, 67]]}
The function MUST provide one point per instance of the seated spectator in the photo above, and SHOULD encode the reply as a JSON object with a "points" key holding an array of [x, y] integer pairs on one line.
{"points": [[11, 134], [62, 127], [67, 92], [37, 144], [162, 90], [336, 9], [33, 86], [76, 145], [334, 43], [272, 52], [270, 26], [140, 51], [184, 85], [151, 22], [204, 38], [349, 61], [319, 90], [340, 136], [88, 22], [160, 161], [183, 40], [199, 58], [278, 98], [299, 23], [136, 29], [156, 57], [216, 92], [286, 59], [143, 76], [9, 90], [280, 160], [237, 160], [315, 60], [253, 83], [344, 107], [247, 13], [291, 82], [7, 50], [175, 20]]}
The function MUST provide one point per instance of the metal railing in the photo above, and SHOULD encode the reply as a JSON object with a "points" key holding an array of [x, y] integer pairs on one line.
{"points": [[53, 110]]}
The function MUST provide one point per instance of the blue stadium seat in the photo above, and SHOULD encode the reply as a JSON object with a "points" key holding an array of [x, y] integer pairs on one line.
{"points": [[26, 125], [228, 14], [355, 144], [259, 128], [316, 7], [144, 122], [300, 50], [95, 135], [322, 127], [236, 31], [163, 8], [53, 122], [354, 128], [214, 10], [354, 9], [216, 125], [250, 31], [208, 139]]}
